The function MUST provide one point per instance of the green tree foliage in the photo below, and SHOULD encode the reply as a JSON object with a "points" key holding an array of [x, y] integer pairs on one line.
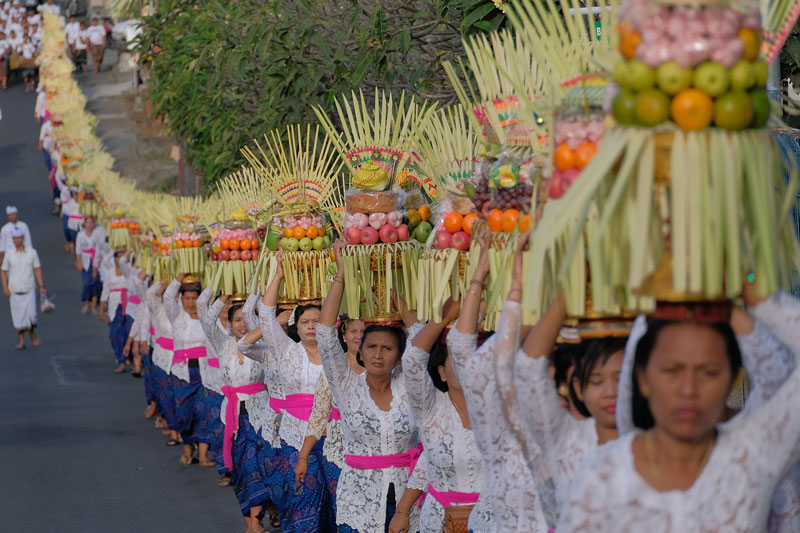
{"points": [[225, 72]]}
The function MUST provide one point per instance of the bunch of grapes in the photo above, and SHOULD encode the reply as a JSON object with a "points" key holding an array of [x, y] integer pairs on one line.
{"points": [[262, 233], [482, 194], [517, 197]]}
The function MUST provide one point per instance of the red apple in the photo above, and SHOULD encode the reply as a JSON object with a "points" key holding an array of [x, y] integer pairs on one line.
{"points": [[461, 240], [557, 185], [246, 255], [369, 235], [402, 232], [235, 255], [388, 233], [443, 240], [352, 235], [224, 255], [569, 176], [214, 257]]}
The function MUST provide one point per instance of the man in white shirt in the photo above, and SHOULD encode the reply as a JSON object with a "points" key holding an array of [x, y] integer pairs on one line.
{"points": [[72, 29], [19, 272], [81, 42], [13, 223], [49, 6], [97, 43], [41, 105]]}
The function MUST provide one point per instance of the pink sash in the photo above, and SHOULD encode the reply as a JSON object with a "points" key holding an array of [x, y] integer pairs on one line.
{"points": [[379, 462], [297, 405], [213, 362], [232, 416], [182, 356], [91, 252], [448, 498], [124, 299], [166, 343], [335, 414]]}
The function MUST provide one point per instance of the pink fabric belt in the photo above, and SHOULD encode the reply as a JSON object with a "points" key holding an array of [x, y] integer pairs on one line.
{"points": [[448, 498], [182, 356], [152, 330], [335, 414], [379, 462], [90, 251], [297, 405], [76, 217], [166, 343], [124, 299], [232, 416], [213, 362]]}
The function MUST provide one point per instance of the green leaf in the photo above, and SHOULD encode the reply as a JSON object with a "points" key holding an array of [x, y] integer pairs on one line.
{"points": [[360, 70]]}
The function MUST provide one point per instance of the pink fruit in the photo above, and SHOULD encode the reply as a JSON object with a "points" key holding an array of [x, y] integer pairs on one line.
{"points": [[557, 186], [214, 257], [569, 176], [402, 232], [729, 53], [360, 220], [245, 255], [461, 240], [353, 235], [395, 218], [689, 52], [224, 255], [388, 233], [369, 235], [443, 240], [235, 255], [377, 220]]}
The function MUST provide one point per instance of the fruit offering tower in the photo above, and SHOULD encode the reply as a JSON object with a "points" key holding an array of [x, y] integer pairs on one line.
{"points": [[378, 146], [302, 176], [687, 196]]}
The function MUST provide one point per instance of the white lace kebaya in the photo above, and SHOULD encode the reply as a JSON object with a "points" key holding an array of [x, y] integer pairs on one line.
{"points": [[368, 431], [511, 485], [322, 422], [452, 459], [733, 493]]}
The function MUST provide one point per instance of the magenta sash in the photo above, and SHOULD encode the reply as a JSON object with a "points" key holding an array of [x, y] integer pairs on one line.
{"points": [[124, 299], [182, 356], [448, 498], [91, 252], [379, 462], [297, 405], [213, 362], [335, 414], [232, 416]]}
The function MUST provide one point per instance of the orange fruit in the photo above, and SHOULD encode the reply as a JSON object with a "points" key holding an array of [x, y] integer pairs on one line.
{"points": [[165, 246], [312, 232], [495, 220], [424, 212], [178, 244], [287, 232], [629, 41], [298, 232], [254, 244], [224, 244], [233, 244], [453, 222], [509, 220], [197, 243], [584, 153], [244, 244], [188, 244], [752, 43], [564, 158], [469, 220], [524, 223], [692, 109]]}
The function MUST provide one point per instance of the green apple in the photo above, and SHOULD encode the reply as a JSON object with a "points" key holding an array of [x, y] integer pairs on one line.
{"points": [[673, 78], [326, 241], [741, 75], [640, 76], [621, 74], [423, 231], [711, 78], [624, 107], [318, 243], [289, 244], [652, 107], [761, 108], [760, 72], [733, 111], [305, 244]]}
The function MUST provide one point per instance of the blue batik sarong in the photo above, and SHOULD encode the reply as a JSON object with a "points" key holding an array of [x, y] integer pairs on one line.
{"points": [[149, 376], [330, 476], [92, 287], [299, 506], [250, 475], [189, 408], [118, 332], [214, 429], [165, 398]]}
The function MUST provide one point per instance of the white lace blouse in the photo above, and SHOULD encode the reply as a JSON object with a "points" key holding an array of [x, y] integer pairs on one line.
{"points": [[733, 493], [188, 333], [452, 459], [513, 488], [292, 369], [113, 285], [236, 373], [162, 358], [320, 423], [368, 430]]}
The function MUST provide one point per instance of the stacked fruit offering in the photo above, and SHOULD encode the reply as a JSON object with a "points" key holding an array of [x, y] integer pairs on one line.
{"points": [[576, 141], [187, 251], [303, 232], [235, 244], [504, 199], [162, 262], [454, 231], [696, 65], [234, 250], [363, 228], [118, 236]]}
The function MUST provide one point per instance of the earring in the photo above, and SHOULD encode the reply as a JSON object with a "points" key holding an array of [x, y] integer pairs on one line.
{"points": [[563, 390], [645, 390]]}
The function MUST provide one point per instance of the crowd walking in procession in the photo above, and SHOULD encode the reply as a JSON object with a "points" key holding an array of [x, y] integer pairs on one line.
{"points": [[366, 329]]}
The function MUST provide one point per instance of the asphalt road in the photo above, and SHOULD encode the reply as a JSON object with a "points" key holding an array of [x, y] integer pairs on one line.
{"points": [[77, 453]]}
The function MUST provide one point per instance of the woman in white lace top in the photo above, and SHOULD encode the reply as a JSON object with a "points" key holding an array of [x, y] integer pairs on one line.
{"points": [[380, 434], [297, 366], [326, 421], [244, 410], [518, 494], [682, 470]]}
